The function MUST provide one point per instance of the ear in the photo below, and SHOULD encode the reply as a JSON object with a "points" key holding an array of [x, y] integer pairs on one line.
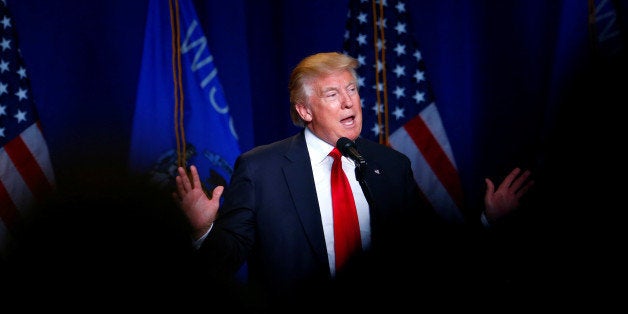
{"points": [[304, 112]]}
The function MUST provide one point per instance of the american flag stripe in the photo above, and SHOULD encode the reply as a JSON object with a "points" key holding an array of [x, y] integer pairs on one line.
{"points": [[8, 210], [26, 177], [28, 156], [33, 138], [433, 168], [17, 195], [18, 191], [425, 140]]}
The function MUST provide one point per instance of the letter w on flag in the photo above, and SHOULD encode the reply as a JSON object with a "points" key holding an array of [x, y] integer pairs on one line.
{"points": [[398, 106], [181, 115], [26, 174]]}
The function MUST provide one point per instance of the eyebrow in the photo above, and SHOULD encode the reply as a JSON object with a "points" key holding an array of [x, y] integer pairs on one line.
{"points": [[326, 89]]}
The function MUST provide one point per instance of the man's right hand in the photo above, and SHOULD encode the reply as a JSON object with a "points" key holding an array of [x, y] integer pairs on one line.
{"points": [[200, 210]]}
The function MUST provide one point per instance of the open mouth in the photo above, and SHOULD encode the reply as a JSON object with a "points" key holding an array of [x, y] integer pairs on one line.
{"points": [[348, 120]]}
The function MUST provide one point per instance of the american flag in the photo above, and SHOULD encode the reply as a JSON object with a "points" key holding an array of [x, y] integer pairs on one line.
{"points": [[26, 174], [398, 105]]}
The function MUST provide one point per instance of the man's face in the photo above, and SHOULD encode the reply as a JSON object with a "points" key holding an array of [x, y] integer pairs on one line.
{"points": [[333, 107]]}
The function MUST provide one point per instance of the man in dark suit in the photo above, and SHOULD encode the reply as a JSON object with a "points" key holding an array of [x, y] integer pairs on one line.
{"points": [[273, 214], [276, 214]]}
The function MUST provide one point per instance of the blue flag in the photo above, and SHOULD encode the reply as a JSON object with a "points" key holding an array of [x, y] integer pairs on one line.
{"points": [[181, 115], [606, 29]]}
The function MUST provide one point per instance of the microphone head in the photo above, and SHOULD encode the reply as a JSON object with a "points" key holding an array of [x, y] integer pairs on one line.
{"points": [[348, 148], [343, 144]]}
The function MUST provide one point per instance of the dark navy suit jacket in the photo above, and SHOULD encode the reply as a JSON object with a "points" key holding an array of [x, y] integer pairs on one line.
{"points": [[270, 215]]}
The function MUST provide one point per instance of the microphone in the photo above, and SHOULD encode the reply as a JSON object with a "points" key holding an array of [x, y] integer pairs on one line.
{"points": [[348, 149]]}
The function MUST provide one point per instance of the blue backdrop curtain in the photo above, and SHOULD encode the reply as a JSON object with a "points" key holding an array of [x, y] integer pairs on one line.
{"points": [[491, 64]]}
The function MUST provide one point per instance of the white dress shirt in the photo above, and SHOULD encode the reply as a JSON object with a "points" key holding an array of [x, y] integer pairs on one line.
{"points": [[321, 166]]}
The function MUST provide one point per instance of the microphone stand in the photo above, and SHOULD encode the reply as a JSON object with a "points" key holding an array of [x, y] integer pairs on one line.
{"points": [[360, 168], [347, 148]]}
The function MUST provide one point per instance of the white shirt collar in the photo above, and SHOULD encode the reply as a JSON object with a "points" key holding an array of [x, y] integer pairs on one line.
{"points": [[317, 148]]}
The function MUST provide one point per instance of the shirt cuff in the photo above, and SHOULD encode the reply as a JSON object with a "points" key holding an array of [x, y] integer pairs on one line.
{"points": [[197, 243]]}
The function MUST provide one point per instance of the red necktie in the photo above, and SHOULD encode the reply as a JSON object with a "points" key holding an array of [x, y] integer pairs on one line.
{"points": [[346, 226]]}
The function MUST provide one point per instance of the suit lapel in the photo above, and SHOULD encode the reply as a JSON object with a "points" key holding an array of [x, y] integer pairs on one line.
{"points": [[300, 181]]}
